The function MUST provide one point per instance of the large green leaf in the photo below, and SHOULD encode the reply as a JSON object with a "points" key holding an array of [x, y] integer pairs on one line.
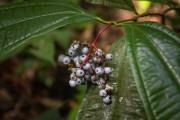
{"points": [[123, 4], [154, 52], [126, 102], [19, 22]]}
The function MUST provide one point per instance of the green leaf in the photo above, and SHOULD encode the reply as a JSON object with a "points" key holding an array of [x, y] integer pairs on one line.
{"points": [[123, 4], [22, 21], [52, 114], [126, 102], [154, 52]]}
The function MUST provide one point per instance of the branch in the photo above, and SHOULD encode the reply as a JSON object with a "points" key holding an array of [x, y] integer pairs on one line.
{"points": [[119, 23]]}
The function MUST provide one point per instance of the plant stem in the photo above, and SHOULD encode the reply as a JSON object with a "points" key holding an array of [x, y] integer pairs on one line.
{"points": [[100, 32], [95, 40], [119, 23]]}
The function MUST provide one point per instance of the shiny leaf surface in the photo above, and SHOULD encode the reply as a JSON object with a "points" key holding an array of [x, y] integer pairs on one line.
{"points": [[154, 53], [19, 22], [122, 4]]}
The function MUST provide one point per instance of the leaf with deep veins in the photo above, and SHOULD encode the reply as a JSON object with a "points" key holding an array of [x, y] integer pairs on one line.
{"points": [[22, 21], [154, 52]]}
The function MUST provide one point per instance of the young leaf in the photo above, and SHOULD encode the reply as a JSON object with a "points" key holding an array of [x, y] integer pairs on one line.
{"points": [[19, 22], [123, 4], [154, 54], [126, 102]]}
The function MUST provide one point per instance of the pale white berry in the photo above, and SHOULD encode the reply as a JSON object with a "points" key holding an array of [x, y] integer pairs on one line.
{"points": [[82, 57], [102, 81], [93, 77], [85, 50], [75, 46], [99, 70], [108, 70], [71, 52], [72, 83], [75, 58], [99, 52], [87, 76], [78, 81], [78, 64], [72, 76], [80, 73], [109, 57], [60, 57], [66, 60], [108, 88], [87, 66], [107, 100], [102, 93], [97, 59]]}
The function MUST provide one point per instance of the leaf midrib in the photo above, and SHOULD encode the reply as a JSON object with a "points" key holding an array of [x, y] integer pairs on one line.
{"points": [[140, 76], [156, 50]]}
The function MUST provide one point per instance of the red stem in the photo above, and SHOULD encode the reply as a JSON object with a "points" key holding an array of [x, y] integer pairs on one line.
{"points": [[100, 32], [94, 42]]}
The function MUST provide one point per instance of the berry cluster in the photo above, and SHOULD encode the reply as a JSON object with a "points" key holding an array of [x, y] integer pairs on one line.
{"points": [[87, 64]]}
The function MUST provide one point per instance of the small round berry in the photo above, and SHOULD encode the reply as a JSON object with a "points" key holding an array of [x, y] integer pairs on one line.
{"points": [[108, 70], [99, 70], [80, 73], [66, 60], [108, 88], [75, 46], [102, 81], [71, 52], [82, 57], [85, 50], [72, 76], [107, 100], [78, 64], [60, 57], [72, 83], [87, 76], [109, 57], [75, 58], [87, 66], [78, 81], [102, 93], [99, 52], [96, 59], [93, 78]]}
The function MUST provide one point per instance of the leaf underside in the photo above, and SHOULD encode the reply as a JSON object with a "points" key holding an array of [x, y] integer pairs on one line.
{"points": [[19, 22], [126, 102], [122, 4], [154, 53]]}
